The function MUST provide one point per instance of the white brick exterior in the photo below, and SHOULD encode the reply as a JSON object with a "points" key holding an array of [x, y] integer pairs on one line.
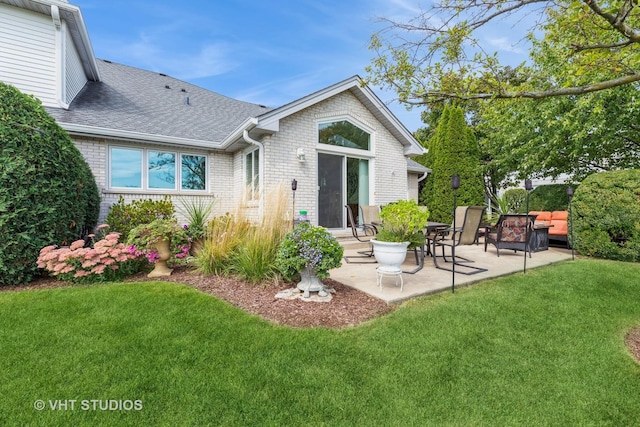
{"points": [[220, 190], [387, 165]]}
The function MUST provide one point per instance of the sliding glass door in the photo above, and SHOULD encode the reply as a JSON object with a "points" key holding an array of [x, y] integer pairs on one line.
{"points": [[342, 180]]}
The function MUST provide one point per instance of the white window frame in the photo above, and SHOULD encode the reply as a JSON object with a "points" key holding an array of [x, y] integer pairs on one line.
{"points": [[144, 169], [352, 152], [253, 187]]}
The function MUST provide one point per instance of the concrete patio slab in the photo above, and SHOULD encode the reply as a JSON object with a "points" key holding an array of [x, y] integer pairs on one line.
{"points": [[430, 279]]}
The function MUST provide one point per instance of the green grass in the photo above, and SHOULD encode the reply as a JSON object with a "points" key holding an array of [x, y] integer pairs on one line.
{"points": [[545, 348]]}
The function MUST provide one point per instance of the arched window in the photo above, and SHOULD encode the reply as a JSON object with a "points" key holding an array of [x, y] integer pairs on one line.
{"points": [[344, 134]]}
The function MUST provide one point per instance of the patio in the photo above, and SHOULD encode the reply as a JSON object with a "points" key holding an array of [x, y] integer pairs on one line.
{"points": [[430, 279]]}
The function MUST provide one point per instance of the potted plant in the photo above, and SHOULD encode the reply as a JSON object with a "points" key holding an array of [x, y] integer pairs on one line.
{"points": [[159, 240], [310, 251], [402, 228]]}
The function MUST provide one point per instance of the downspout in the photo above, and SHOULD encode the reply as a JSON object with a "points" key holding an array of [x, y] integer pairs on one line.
{"points": [[249, 140], [60, 55]]}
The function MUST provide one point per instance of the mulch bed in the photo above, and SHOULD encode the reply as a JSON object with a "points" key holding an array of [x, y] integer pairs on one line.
{"points": [[348, 307]]}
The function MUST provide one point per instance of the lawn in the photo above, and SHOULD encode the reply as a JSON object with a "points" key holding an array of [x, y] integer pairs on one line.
{"points": [[545, 348]]}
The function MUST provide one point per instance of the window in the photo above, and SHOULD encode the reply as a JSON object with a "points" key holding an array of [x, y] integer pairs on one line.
{"points": [[161, 167], [126, 168], [252, 173], [194, 172], [343, 134], [161, 170]]}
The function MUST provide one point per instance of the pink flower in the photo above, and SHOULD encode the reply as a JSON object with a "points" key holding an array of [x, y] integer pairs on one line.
{"points": [[47, 249], [102, 226], [59, 267], [88, 263], [98, 269], [81, 273], [113, 237], [153, 257], [78, 244], [67, 269]]}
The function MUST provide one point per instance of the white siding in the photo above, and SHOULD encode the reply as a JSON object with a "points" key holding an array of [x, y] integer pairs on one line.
{"points": [[27, 53], [75, 78]]}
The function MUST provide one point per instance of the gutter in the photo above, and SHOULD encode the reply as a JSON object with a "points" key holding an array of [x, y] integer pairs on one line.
{"points": [[260, 145], [100, 132]]}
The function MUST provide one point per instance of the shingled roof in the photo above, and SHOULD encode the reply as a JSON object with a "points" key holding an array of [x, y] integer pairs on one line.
{"points": [[134, 100]]}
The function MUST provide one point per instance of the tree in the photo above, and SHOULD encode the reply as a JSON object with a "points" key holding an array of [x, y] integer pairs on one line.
{"points": [[572, 135], [586, 46], [454, 150]]}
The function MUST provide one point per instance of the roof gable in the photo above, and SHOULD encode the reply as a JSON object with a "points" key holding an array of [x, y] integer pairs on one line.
{"points": [[270, 121]]}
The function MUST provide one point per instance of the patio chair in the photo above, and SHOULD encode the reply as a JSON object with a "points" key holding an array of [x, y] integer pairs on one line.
{"points": [[363, 233], [468, 219], [370, 215], [511, 232]]}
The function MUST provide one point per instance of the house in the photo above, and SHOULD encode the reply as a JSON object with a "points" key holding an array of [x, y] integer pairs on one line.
{"points": [[147, 134]]}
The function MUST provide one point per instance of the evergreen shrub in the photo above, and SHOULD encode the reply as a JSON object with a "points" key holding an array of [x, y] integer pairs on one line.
{"points": [[453, 150], [48, 194], [606, 217], [552, 197]]}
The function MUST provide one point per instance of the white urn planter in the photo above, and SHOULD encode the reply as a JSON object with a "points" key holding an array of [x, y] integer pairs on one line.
{"points": [[311, 283], [389, 255]]}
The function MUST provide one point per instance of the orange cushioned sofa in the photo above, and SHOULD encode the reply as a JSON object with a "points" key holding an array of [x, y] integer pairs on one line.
{"points": [[557, 219]]}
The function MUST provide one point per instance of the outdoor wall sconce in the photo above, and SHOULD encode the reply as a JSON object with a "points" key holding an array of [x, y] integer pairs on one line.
{"points": [[300, 155]]}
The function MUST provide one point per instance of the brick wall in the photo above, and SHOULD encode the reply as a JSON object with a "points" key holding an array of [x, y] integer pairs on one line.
{"points": [[221, 189], [387, 165]]}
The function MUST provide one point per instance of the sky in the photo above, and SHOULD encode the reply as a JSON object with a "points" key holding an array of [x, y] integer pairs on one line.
{"points": [[264, 52]]}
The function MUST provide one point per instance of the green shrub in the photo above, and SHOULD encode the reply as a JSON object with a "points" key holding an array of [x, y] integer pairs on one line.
{"points": [[308, 246], [606, 217], [516, 200], [124, 217], [48, 194], [552, 197]]}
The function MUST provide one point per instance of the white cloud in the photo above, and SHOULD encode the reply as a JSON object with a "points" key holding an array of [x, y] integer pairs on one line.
{"points": [[505, 44]]}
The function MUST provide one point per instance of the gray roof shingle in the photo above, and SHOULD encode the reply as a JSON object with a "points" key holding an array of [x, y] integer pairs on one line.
{"points": [[132, 99]]}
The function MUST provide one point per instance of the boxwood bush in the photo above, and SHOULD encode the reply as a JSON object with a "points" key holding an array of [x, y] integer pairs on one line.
{"points": [[48, 194], [606, 215], [123, 217]]}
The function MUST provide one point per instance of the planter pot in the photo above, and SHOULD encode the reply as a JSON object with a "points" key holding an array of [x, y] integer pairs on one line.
{"points": [[164, 253], [196, 246], [390, 255], [311, 283]]}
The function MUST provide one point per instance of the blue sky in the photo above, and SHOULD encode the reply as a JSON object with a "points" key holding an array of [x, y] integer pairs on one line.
{"points": [[265, 52]]}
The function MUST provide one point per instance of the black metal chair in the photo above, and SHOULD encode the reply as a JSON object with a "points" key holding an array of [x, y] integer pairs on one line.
{"points": [[362, 232], [512, 231], [470, 218], [369, 214]]}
